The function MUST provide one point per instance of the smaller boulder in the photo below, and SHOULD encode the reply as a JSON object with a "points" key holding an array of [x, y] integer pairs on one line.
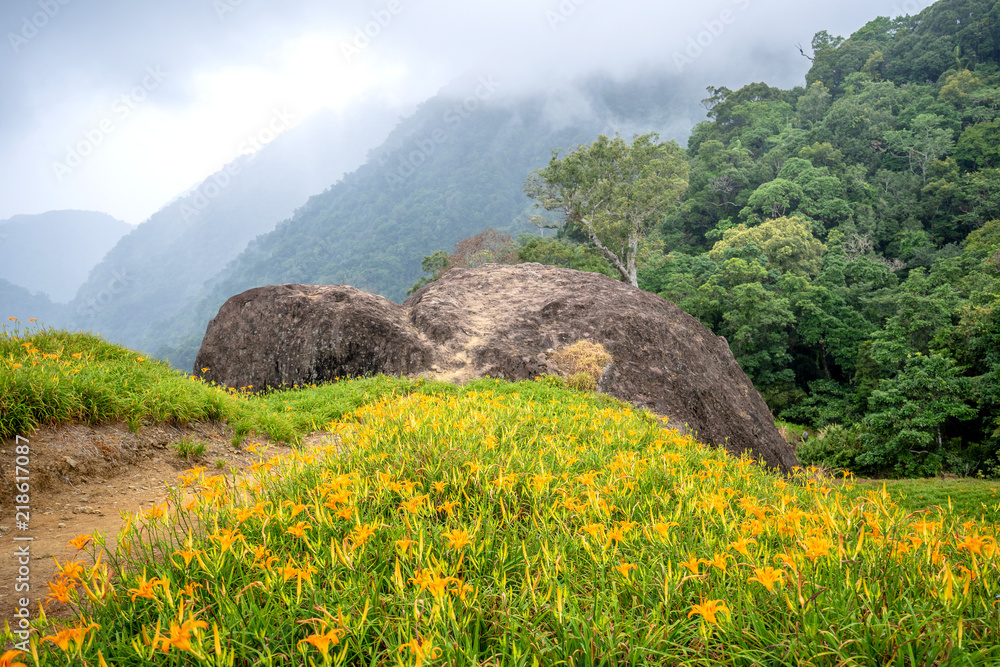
{"points": [[281, 335]]}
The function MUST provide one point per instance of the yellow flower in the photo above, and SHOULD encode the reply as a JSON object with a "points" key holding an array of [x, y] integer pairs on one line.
{"points": [[421, 650], [973, 543], [299, 529], [59, 590], [145, 588], [625, 568], [296, 508], [187, 555], [322, 641], [438, 486], [767, 576], [70, 570], [708, 610], [663, 528], [458, 538], [362, 533], [404, 545], [816, 547], [80, 541], [447, 507], [616, 534], [60, 639], [692, 563], [7, 659], [742, 545], [226, 537], [157, 511], [180, 634], [67, 635], [428, 579], [719, 561], [189, 589], [593, 529], [413, 504]]}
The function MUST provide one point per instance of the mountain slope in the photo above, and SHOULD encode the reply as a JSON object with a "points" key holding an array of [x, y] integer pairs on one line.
{"points": [[453, 168]]}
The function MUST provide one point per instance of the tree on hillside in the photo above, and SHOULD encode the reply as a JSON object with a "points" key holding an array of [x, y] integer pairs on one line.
{"points": [[613, 191]]}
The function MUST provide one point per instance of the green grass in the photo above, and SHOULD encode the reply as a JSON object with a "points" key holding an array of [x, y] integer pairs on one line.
{"points": [[52, 377], [189, 450], [521, 524], [969, 496], [501, 523]]}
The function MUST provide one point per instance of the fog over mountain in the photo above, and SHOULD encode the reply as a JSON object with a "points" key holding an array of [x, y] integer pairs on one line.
{"points": [[118, 106], [155, 270]]}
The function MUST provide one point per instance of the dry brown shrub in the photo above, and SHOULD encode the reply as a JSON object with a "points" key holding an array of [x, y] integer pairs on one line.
{"points": [[581, 364], [487, 247]]}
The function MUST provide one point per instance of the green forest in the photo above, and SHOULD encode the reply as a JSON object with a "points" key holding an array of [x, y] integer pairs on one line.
{"points": [[844, 237]]}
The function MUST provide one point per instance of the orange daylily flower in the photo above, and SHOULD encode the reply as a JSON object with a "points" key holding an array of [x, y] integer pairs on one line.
{"points": [[187, 555], [692, 563], [67, 635], [708, 610], [180, 634], [299, 529], [767, 577], [145, 588], [7, 659], [80, 541], [742, 545], [457, 538], [59, 589], [625, 568], [322, 641], [421, 650], [816, 547], [663, 529]]}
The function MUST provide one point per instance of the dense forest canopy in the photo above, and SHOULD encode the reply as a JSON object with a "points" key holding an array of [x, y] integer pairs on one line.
{"points": [[844, 237]]}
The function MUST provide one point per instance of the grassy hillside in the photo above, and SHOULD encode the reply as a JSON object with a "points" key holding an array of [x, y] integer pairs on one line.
{"points": [[499, 523]]}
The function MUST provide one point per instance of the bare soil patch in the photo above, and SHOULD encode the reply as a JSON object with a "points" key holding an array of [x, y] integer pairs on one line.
{"points": [[85, 478]]}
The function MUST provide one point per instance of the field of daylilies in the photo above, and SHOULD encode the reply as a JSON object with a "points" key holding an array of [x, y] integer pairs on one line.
{"points": [[525, 524]]}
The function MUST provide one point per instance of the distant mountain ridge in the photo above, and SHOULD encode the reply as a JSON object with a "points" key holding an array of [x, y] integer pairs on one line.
{"points": [[53, 252]]}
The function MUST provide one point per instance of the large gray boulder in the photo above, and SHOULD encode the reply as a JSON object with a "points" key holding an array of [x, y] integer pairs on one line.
{"points": [[501, 321]]}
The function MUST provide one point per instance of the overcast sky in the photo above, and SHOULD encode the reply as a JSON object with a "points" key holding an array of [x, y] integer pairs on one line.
{"points": [[120, 105]]}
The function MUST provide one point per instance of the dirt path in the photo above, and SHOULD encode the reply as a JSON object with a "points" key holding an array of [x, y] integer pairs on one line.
{"points": [[82, 479]]}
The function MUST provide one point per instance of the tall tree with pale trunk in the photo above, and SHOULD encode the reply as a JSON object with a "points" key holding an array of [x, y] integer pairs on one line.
{"points": [[612, 191]]}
